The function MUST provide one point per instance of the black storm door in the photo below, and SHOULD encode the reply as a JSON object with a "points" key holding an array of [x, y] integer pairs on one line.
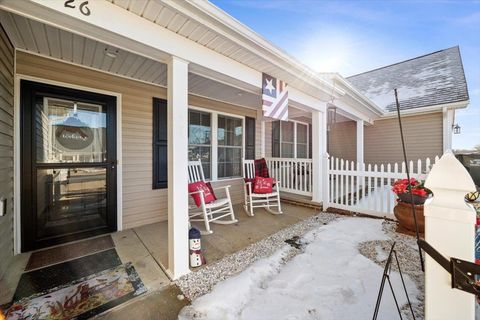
{"points": [[68, 172]]}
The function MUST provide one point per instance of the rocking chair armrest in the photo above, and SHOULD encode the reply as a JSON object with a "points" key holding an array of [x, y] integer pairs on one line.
{"points": [[195, 192]]}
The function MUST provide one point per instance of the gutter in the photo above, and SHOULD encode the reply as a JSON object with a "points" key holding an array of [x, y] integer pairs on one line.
{"points": [[429, 109]]}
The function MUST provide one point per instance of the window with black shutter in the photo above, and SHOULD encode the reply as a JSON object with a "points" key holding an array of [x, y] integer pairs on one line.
{"points": [[160, 160], [249, 138]]}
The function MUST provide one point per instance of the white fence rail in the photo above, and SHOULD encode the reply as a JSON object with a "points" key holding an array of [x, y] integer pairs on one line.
{"points": [[295, 175], [366, 188]]}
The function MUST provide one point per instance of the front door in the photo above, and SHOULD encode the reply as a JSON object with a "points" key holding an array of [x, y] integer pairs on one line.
{"points": [[68, 172]]}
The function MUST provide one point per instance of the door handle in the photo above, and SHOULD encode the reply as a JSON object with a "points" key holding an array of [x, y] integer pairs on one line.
{"points": [[113, 164]]}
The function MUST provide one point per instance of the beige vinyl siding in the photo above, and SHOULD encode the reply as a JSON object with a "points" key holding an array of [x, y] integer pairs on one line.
{"points": [[7, 57], [342, 140], [141, 204], [423, 138]]}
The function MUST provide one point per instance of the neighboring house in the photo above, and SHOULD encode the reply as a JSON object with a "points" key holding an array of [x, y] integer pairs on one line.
{"points": [[430, 89], [151, 85]]}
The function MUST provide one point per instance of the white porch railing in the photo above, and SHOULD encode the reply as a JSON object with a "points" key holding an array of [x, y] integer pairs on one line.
{"points": [[366, 188], [295, 174]]}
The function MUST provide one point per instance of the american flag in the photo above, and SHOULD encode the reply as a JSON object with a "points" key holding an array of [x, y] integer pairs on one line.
{"points": [[274, 98]]}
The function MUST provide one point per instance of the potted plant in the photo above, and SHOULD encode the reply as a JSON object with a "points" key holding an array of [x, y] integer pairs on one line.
{"points": [[404, 189]]}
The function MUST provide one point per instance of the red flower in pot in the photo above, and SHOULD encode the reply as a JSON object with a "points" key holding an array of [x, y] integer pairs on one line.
{"points": [[403, 187]]}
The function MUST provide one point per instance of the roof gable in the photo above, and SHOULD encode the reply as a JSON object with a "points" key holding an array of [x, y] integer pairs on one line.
{"points": [[433, 79]]}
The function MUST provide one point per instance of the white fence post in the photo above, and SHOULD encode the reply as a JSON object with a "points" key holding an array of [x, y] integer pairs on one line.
{"points": [[450, 229], [326, 181]]}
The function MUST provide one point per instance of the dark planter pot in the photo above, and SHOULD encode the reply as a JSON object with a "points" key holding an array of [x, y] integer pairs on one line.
{"points": [[403, 213], [405, 197]]}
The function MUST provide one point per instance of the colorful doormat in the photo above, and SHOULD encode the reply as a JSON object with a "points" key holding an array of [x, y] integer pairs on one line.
{"points": [[83, 298], [45, 279], [67, 252]]}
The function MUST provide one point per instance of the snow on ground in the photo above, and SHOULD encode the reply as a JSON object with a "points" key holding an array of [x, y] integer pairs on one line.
{"points": [[329, 280], [375, 196]]}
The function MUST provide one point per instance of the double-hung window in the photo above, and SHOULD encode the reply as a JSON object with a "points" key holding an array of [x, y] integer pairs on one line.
{"points": [[200, 139], [290, 139], [287, 139], [230, 146], [218, 141], [302, 140]]}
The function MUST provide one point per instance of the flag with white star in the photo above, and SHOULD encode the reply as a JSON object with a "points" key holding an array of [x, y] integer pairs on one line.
{"points": [[274, 98]]}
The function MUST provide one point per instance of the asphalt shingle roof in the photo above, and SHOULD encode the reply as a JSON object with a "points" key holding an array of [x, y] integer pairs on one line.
{"points": [[432, 79]]}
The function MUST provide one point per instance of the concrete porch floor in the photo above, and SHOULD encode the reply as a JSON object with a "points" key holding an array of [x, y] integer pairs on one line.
{"points": [[226, 239]]}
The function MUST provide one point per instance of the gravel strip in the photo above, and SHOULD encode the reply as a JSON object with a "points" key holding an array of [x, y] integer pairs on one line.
{"points": [[198, 283], [407, 253]]}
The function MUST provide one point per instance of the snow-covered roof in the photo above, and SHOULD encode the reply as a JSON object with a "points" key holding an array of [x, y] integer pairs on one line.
{"points": [[433, 79]]}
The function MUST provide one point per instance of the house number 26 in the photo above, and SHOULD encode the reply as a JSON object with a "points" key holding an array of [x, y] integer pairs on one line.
{"points": [[83, 6]]}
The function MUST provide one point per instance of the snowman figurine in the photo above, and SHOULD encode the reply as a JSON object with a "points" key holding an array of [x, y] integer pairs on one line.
{"points": [[196, 255]]}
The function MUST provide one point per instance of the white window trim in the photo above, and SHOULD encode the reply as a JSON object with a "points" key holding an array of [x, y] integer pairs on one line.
{"points": [[295, 123], [214, 143]]}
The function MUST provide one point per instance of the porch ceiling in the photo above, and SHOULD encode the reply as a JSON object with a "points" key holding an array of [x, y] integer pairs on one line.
{"points": [[35, 37], [38, 38], [193, 21]]}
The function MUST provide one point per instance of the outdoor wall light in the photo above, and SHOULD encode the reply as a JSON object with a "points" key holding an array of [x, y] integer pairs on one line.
{"points": [[456, 128]]}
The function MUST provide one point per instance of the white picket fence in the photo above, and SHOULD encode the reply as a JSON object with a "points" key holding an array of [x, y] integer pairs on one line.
{"points": [[367, 188], [295, 175]]}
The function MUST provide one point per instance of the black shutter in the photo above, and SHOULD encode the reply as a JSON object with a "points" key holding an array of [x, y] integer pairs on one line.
{"points": [[249, 138], [276, 139], [160, 160]]}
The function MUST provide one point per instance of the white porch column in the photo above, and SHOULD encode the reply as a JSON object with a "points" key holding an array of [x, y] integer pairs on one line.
{"points": [[450, 229], [319, 144], [177, 167], [448, 119], [360, 141]]}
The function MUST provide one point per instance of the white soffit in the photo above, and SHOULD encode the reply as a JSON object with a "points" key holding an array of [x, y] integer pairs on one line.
{"points": [[168, 14], [38, 38]]}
